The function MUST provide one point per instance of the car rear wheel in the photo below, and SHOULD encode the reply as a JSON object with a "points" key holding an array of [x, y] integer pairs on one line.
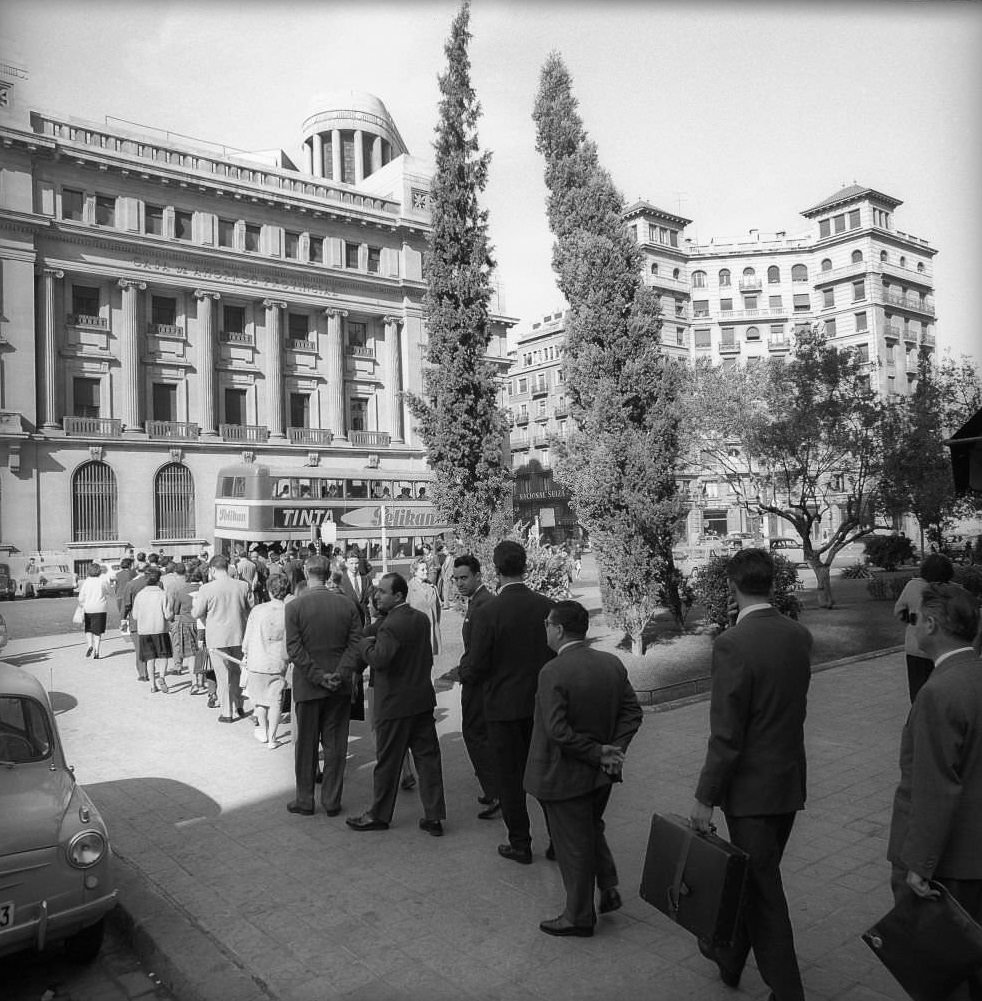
{"points": [[84, 946]]}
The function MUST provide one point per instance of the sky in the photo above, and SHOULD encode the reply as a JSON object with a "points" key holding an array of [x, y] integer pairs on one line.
{"points": [[736, 115]]}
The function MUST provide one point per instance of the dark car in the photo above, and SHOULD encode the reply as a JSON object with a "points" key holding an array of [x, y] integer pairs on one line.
{"points": [[8, 586]]}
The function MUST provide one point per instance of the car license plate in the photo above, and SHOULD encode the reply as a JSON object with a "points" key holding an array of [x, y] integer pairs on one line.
{"points": [[6, 914]]}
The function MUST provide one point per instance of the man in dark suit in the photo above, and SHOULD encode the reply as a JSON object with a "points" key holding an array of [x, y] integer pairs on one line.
{"points": [[356, 584], [936, 830], [755, 765], [398, 650], [473, 726], [507, 650], [322, 634], [586, 713]]}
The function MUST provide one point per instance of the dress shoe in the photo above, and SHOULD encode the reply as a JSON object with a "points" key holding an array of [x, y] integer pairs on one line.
{"points": [[610, 900], [558, 926], [485, 800], [227, 719], [521, 855], [551, 853], [212, 700], [303, 811], [366, 822], [88, 653], [333, 811], [433, 827], [491, 811], [242, 713], [729, 977]]}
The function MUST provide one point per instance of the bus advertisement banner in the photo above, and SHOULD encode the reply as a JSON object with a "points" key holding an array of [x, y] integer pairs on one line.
{"points": [[231, 516], [396, 517]]}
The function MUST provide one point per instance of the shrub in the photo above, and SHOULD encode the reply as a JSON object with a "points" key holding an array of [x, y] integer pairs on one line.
{"points": [[549, 569], [888, 551], [970, 578], [857, 571], [712, 591], [886, 588]]}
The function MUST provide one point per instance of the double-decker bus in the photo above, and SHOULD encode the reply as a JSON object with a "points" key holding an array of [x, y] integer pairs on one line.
{"points": [[388, 519]]}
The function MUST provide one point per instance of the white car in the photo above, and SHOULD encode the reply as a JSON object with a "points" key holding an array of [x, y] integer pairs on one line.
{"points": [[790, 549]]}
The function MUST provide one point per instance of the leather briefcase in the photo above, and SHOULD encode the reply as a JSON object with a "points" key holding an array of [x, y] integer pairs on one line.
{"points": [[698, 880], [929, 945]]}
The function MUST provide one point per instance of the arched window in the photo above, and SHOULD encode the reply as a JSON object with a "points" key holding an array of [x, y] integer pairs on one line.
{"points": [[753, 334], [773, 275], [884, 257], [724, 277], [857, 256], [173, 502], [799, 273], [903, 262], [826, 265], [94, 509], [920, 267], [654, 269], [698, 279], [675, 273], [749, 273]]}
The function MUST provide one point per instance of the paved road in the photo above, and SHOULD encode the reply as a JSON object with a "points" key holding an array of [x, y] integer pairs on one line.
{"points": [[28, 618], [303, 909]]}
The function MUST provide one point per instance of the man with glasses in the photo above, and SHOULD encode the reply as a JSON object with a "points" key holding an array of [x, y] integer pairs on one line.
{"points": [[936, 829], [586, 714]]}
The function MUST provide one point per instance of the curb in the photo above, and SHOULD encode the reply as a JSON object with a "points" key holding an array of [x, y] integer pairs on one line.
{"points": [[685, 693], [183, 956]]}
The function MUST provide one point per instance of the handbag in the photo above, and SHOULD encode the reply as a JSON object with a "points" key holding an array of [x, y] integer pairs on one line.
{"points": [[78, 616], [930, 945]]}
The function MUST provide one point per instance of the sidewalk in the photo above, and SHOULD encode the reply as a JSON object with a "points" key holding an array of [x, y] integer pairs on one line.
{"points": [[235, 898]]}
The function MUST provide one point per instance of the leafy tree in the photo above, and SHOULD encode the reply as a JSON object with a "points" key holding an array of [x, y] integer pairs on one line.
{"points": [[619, 462], [711, 588], [458, 416], [797, 439]]}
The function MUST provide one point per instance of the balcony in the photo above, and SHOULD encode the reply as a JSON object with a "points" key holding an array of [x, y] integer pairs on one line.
{"points": [[729, 348], [165, 330], [302, 344], [310, 436], [908, 302], [522, 419], [370, 439], [255, 434], [749, 284], [778, 344], [540, 390], [360, 351], [928, 339], [910, 336], [87, 320], [237, 337], [561, 410], [892, 330], [172, 430], [93, 427]]}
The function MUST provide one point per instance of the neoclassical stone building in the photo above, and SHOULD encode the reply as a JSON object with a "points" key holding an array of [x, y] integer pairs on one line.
{"points": [[170, 307]]}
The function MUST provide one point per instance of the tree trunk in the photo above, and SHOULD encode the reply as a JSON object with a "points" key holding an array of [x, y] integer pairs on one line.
{"points": [[637, 642], [823, 577]]}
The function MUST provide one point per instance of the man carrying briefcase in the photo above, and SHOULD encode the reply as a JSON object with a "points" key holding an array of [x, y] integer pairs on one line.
{"points": [[755, 766]]}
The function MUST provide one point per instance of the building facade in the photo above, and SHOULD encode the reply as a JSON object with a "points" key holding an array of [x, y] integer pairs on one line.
{"points": [[170, 307], [869, 285]]}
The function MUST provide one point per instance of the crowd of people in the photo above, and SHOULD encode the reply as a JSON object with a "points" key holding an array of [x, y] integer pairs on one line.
{"points": [[547, 715]]}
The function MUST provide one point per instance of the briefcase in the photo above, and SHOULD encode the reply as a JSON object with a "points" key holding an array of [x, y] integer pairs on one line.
{"points": [[698, 880], [929, 945]]}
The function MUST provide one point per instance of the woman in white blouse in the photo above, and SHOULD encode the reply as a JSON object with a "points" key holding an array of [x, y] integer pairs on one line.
{"points": [[265, 659], [93, 598]]}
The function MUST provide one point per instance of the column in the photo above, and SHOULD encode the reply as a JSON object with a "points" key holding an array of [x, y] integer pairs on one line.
{"points": [[129, 355], [359, 156], [318, 155], [308, 155], [205, 360], [334, 372], [336, 172], [376, 154], [49, 355], [392, 377], [273, 351]]}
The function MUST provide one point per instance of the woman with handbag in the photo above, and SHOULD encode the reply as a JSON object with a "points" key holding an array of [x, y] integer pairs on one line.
{"points": [[93, 607], [152, 613]]}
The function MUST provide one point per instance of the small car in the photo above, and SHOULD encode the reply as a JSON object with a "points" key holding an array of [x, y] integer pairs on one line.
{"points": [[56, 882], [55, 578], [790, 549]]}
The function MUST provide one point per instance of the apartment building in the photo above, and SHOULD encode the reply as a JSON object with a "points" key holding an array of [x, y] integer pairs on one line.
{"points": [[868, 284], [171, 306]]}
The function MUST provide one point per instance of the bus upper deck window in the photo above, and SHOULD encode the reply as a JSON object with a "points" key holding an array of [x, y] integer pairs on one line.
{"points": [[330, 488], [421, 491], [357, 488], [305, 490], [405, 490], [238, 486], [225, 487], [281, 488]]}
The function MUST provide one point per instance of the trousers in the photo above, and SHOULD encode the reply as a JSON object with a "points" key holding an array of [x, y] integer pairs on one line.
{"points": [[322, 722], [475, 732], [393, 737], [509, 741]]}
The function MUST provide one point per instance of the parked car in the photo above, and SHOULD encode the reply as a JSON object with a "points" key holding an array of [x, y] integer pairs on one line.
{"points": [[738, 540], [55, 877], [790, 549], [8, 586]]}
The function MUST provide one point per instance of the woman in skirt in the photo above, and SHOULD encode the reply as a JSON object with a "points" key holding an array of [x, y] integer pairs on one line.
{"points": [[183, 630], [150, 611], [265, 659], [93, 598]]}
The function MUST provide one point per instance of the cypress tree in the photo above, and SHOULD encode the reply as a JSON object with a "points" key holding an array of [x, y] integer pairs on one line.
{"points": [[458, 416], [620, 461]]}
